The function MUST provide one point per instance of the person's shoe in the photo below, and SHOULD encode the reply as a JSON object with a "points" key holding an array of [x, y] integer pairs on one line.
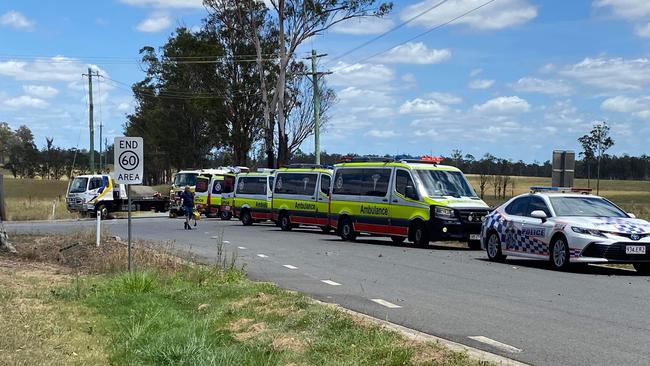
{"points": [[186, 226]]}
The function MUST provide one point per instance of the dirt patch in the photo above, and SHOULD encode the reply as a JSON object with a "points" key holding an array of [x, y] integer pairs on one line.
{"points": [[423, 355], [20, 276], [285, 343], [245, 329]]}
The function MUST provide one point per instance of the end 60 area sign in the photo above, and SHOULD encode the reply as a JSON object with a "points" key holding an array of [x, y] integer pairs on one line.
{"points": [[128, 160]]}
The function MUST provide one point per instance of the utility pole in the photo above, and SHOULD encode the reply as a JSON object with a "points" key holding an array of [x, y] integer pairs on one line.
{"points": [[91, 124], [316, 101]]}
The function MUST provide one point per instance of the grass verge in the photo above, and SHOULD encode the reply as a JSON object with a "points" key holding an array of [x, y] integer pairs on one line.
{"points": [[77, 307]]}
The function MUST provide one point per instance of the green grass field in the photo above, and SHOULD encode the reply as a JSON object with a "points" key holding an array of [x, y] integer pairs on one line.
{"points": [[33, 199]]}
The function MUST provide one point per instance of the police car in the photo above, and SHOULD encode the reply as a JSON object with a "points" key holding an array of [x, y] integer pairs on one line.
{"points": [[566, 226]]}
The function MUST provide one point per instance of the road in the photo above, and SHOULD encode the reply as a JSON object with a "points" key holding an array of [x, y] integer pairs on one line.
{"points": [[592, 316]]}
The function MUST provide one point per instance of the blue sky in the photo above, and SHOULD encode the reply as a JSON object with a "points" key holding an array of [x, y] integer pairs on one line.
{"points": [[517, 78]]}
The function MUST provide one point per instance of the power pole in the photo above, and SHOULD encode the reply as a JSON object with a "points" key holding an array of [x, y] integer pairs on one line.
{"points": [[91, 124], [316, 102]]}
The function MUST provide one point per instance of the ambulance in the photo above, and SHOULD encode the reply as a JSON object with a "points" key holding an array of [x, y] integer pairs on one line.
{"points": [[210, 189], [251, 200], [419, 200], [301, 196]]}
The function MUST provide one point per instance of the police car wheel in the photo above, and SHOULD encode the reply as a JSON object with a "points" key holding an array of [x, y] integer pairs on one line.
{"points": [[285, 222], [346, 231], [493, 248], [246, 218], [397, 239], [642, 268], [560, 254]]}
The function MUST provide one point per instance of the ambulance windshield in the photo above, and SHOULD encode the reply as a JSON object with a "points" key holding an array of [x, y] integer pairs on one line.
{"points": [[440, 183], [79, 185], [185, 179]]}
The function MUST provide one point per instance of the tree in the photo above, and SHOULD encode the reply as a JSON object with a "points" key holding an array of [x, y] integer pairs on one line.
{"points": [[595, 144], [296, 22]]}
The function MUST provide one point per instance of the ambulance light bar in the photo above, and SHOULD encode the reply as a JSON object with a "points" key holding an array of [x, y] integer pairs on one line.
{"points": [[366, 159], [305, 166], [426, 159]]}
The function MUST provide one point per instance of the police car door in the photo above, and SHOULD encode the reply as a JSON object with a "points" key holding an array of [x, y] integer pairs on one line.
{"points": [[514, 224], [535, 230]]}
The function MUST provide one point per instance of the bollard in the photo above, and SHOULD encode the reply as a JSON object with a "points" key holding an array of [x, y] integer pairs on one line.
{"points": [[99, 227]]}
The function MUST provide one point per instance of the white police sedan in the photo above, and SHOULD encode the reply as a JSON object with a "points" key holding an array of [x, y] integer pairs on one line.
{"points": [[566, 226]]}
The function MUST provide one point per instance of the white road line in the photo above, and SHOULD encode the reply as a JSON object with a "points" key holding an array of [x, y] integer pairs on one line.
{"points": [[262, 255], [242, 248], [289, 266], [496, 344], [226, 242], [385, 303], [330, 282], [213, 237]]}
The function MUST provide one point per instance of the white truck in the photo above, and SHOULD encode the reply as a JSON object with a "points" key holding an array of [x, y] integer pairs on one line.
{"points": [[89, 194]]}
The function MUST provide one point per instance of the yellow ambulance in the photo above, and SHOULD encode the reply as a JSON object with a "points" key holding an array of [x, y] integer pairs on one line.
{"points": [[301, 196], [419, 200], [251, 199]]}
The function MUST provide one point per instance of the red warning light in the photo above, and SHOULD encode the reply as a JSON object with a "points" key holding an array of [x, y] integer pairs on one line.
{"points": [[431, 159]]}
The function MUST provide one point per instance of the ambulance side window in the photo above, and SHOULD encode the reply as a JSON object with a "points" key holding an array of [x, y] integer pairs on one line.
{"points": [[252, 185], [375, 182], [217, 187], [296, 183], [348, 182], [325, 183], [402, 180], [228, 184]]}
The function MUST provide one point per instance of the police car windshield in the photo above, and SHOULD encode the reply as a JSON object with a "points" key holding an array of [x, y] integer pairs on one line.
{"points": [[185, 179], [585, 206], [79, 185], [440, 183]]}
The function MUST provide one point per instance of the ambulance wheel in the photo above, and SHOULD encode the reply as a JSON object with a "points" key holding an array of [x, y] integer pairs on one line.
{"points": [[398, 239], [172, 214], [326, 229], [474, 244], [493, 248], [419, 235], [285, 222], [225, 215], [246, 218], [346, 230], [559, 253], [642, 268], [103, 212]]}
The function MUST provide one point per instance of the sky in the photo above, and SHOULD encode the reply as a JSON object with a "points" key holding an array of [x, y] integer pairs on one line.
{"points": [[515, 78]]}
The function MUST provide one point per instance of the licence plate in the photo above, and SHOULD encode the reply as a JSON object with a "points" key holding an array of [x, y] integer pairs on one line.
{"points": [[635, 249], [477, 237]]}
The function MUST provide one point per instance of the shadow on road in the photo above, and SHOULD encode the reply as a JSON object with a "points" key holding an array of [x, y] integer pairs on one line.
{"points": [[576, 268]]}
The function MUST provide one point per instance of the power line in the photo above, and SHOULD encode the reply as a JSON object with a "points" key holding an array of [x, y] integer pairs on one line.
{"points": [[421, 34], [364, 44]]}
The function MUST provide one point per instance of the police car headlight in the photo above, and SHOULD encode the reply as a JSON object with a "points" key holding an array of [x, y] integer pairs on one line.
{"points": [[591, 232], [445, 213]]}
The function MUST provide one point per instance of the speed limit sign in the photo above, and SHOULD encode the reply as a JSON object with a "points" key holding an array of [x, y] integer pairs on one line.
{"points": [[128, 160]]}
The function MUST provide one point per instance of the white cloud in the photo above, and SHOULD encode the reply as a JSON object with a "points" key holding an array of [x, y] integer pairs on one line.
{"points": [[535, 85], [497, 15], [155, 23], [445, 98], [364, 26], [409, 78], [415, 53], [25, 101], [58, 68], [475, 72], [611, 74], [637, 106], [360, 75], [382, 134], [16, 20], [178, 4], [503, 105], [481, 84], [627, 9], [423, 106], [643, 30], [40, 91]]}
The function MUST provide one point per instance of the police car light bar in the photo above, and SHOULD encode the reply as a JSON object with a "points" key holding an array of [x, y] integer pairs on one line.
{"points": [[537, 189]]}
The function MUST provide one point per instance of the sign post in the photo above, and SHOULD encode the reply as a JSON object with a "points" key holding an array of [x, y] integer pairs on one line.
{"points": [[128, 160]]}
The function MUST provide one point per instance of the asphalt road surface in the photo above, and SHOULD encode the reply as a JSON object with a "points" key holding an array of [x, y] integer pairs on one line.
{"points": [[519, 309]]}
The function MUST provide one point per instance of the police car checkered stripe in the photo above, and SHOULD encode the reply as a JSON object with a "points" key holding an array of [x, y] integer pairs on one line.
{"points": [[627, 227], [525, 243]]}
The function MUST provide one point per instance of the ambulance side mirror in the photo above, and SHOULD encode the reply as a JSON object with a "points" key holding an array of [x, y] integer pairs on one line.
{"points": [[539, 214], [411, 193]]}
